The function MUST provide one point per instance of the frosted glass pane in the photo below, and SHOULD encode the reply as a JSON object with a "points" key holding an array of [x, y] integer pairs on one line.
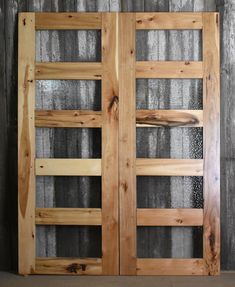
{"points": [[68, 46], [68, 191], [68, 143], [68, 95], [68, 241], [169, 242], [169, 192]]}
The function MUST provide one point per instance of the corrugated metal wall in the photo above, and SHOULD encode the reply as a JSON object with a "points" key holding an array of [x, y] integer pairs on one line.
{"points": [[151, 142]]}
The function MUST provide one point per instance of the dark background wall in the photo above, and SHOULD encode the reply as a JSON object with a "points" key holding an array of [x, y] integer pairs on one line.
{"points": [[178, 143]]}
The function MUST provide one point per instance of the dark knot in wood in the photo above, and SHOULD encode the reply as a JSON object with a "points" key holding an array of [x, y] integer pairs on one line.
{"points": [[114, 101], [74, 267]]}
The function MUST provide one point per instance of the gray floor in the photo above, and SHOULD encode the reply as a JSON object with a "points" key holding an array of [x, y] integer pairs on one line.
{"points": [[12, 280]]}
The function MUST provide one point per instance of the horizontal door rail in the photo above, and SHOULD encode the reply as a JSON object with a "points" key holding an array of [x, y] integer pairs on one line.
{"points": [[68, 118], [67, 21], [68, 71], [169, 118], [68, 266], [70, 167], [92, 167], [169, 167], [166, 21], [169, 69], [168, 266], [93, 119], [68, 216], [169, 217]]}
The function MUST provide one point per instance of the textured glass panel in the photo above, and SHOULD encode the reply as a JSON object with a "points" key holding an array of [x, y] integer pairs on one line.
{"points": [[68, 143], [68, 191], [169, 45], [169, 94], [68, 241], [169, 242], [176, 142], [169, 192], [68, 95], [68, 46]]}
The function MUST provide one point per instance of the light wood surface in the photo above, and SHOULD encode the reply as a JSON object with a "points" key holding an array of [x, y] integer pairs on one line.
{"points": [[169, 118], [110, 98], [169, 167], [170, 266], [26, 143], [68, 266], [211, 140], [68, 216], [68, 71], [68, 119], [67, 21], [163, 21], [169, 69], [169, 217], [72, 167], [127, 139]]}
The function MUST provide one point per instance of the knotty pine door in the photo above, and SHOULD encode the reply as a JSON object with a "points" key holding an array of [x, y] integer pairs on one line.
{"points": [[119, 216]]}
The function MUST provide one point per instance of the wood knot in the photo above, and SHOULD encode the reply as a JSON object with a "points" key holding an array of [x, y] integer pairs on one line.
{"points": [[179, 220], [124, 186], [70, 16], [139, 21], [74, 267], [24, 21], [113, 101], [187, 63]]}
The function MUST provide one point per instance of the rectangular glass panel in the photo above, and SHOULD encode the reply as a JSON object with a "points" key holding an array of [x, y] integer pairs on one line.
{"points": [[169, 192], [68, 142], [68, 46], [175, 142], [169, 45], [166, 94], [68, 241], [68, 95], [68, 191], [169, 242]]}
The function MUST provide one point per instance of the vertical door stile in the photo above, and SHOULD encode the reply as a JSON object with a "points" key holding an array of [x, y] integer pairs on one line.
{"points": [[110, 99], [211, 142], [127, 144], [26, 143]]}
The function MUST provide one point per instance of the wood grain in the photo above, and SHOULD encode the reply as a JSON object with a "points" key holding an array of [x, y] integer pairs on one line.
{"points": [[127, 145], [68, 119], [110, 99], [67, 21], [169, 167], [165, 21], [68, 216], [68, 266], [169, 118], [70, 167], [169, 217], [26, 143], [211, 140], [169, 69], [68, 71], [170, 266]]}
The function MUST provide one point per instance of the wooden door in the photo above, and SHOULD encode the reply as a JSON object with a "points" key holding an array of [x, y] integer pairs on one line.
{"points": [[119, 216]]}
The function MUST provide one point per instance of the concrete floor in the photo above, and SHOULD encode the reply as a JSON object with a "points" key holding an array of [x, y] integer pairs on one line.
{"points": [[12, 280]]}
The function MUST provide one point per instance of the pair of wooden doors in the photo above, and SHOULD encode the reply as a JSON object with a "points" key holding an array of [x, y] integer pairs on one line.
{"points": [[119, 215]]}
